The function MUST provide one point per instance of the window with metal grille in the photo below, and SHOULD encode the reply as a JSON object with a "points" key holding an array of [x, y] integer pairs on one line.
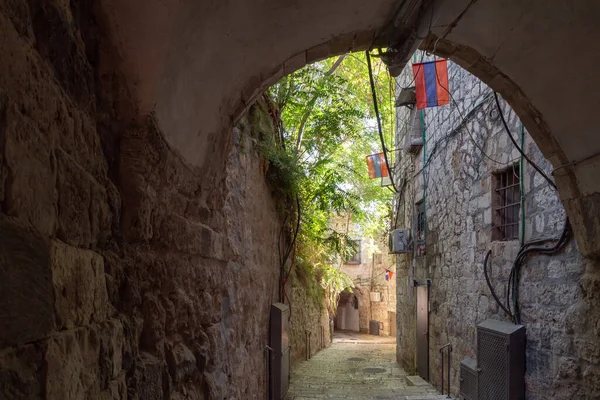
{"points": [[420, 229], [354, 257], [506, 204]]}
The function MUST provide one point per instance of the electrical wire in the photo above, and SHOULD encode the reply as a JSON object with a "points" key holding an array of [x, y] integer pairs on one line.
{"points": [[373, 92], [489, 283], [538, 169], [467, 127], [527, 249]]}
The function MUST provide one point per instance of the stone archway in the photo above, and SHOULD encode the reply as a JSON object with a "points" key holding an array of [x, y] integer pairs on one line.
{"points": [[122, 268], [199, 66]]}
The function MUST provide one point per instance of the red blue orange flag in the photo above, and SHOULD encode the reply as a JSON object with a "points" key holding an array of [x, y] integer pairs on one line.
{"points": [[377, 166], [388, 274], [431, 83]]}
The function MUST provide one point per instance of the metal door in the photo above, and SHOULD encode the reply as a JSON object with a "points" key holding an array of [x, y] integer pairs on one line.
{"points": [[423, 331]]}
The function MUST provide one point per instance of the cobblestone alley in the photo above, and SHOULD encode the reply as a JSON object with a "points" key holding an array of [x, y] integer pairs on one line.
{"points": [[357, 366]]}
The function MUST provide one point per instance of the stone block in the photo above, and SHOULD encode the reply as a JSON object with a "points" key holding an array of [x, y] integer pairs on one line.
{"points": [[26, 294], [84, 216], [294, 63], [588, 349], [79, 286], [81, 363], [181, 362], [74, 203], [192, 238], [414, 380], [30, 171], [77, 136], [149, 377], [569, 368], [21, 370], [316, 53]]}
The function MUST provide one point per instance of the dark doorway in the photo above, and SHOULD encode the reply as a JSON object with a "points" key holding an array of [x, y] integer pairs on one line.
{"points": [[423, 331]]}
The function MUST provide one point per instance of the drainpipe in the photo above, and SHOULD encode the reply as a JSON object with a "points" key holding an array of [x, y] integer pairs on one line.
{"points": [[422, 118], [521, 186]]}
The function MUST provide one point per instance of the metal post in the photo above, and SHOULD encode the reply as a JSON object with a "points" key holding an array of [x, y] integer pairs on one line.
{"points": [[442, 374], [268, 352], [306, 340], [449, 365], [449, 346]]}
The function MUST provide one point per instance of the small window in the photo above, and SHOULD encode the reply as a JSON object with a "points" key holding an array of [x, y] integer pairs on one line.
{"points": [[420, 229], [354, 257], [506, 204]]}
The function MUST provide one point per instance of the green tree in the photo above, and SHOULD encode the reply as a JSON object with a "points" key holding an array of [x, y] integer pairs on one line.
{"points": [[327, 127]]}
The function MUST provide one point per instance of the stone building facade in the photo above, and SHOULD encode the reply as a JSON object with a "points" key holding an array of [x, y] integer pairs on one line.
{"points": [[453, 163], [373, 296]]}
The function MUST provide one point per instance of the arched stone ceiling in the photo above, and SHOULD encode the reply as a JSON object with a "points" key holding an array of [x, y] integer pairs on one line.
{"points": [[198, 64]]}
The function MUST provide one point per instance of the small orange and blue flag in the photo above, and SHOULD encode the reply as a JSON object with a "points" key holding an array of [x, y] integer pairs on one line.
{"points": [[388, 274], [431, 83], [377, 166]]}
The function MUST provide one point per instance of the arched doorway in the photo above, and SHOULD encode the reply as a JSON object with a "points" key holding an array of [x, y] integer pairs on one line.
{"points": [[348, 314]]}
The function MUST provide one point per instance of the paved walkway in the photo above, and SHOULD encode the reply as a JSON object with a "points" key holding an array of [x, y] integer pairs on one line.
{"points": [[357, 367]]}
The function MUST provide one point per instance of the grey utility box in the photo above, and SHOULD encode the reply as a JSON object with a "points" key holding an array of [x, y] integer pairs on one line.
{"points": [[500, 361], [374, 327], [279, 361], [468, 379]]}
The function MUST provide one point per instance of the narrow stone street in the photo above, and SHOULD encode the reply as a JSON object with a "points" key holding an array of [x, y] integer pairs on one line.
{"points": [[357, 366]]}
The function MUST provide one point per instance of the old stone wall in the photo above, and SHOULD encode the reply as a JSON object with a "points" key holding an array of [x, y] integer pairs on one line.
{"points": [[310, 327], [369, 276], [453, 176], [124, 272]]}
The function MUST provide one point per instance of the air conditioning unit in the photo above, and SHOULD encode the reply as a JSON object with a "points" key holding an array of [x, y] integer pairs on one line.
{"points": [[500, 361], [399, 241], [375, 296], [414, 144], [468, 379]]}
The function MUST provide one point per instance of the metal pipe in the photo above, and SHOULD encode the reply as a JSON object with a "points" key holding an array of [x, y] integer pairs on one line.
{"points": [[306, 340], [268, 355], [442, 372], [449, 366], [441, 350]]}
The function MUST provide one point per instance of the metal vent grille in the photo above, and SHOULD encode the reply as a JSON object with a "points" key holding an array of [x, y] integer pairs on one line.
{"points": [[468, 379], [501, 360], [493, 360]]}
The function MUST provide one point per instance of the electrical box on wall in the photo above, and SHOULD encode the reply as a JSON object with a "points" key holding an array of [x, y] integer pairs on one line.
{"points": [[375, 296], [399, 241]]}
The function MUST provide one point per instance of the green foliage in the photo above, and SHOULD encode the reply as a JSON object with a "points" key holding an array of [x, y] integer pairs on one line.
{"points": [[328, 127]]}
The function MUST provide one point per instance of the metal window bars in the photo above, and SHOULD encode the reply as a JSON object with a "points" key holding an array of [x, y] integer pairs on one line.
{"points": [[506, 204]]}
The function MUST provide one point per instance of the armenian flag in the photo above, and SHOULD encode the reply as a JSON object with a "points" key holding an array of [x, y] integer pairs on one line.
{"points": [[377, 166], [431, 83], [388, 274]]}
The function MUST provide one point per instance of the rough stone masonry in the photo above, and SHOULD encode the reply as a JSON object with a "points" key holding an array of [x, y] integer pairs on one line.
{"points": [[124, 272], [558, 294]]}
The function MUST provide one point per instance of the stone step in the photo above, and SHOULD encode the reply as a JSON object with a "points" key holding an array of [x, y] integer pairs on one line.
{"points": [[415, 380]]}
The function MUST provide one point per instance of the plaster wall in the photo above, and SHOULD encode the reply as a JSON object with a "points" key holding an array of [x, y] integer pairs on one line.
{"points": [[456, 185]]}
